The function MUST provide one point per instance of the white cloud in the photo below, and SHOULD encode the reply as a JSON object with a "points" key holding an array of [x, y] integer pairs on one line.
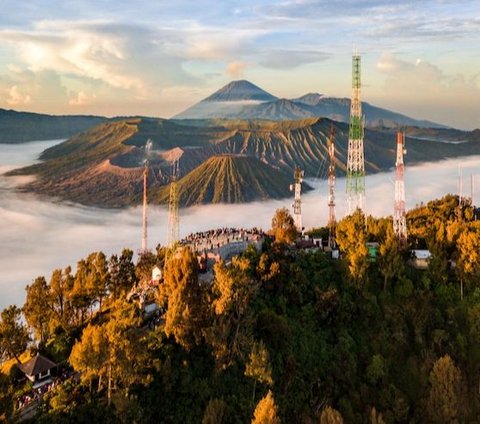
{"points": [[236, 69], [15, 98], [81, 99]]}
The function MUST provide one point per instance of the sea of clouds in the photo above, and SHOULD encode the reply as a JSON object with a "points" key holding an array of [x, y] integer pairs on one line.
{"points": [[38, 235]]}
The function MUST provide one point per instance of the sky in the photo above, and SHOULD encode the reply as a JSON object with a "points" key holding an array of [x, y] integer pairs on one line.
{"points": [[157, 57]]}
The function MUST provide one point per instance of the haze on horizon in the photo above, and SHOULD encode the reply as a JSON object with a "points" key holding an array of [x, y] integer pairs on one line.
{"points": [[158, 58]]}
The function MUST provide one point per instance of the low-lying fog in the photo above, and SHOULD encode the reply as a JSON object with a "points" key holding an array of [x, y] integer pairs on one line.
{"points": [[37, 236]]}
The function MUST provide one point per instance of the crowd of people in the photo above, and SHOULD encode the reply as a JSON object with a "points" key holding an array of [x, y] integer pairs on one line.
{"points": [[36, 394], [211, 239]]}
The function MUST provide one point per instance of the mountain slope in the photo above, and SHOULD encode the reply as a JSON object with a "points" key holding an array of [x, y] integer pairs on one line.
{"points": [[19, 127], [229, 179], [240, 90], [103, 166]]}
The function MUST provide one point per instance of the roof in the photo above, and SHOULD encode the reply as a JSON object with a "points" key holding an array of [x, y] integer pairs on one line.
{"points": [[37, 365], [421, 254]]}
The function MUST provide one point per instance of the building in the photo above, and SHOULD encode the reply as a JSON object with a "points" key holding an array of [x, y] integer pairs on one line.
{"points": [[420, 258], [39, 370]]}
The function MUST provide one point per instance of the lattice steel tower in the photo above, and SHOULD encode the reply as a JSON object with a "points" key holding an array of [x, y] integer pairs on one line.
{"points": [[399, 217], [331, 185], [173, 215], [146, 163], [356, 160], [297, 202]]}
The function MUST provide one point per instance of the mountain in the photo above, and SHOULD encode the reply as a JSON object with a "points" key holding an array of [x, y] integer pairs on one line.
{"points": [[238, 91], [230, 179], [227, 102], [19, 127], [103, 166], [244, 100]]}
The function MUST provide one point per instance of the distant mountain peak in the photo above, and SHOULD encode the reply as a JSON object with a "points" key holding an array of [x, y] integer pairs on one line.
{"points": [[238, 91], [310, 99]]}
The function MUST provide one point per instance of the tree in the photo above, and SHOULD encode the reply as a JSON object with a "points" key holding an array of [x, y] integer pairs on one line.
{"points": [[214, 412], [468, 262], [351, 239], [444, 402], [90, 355], [122, 274], [376, 417], [232, 291], [186, 308], [390, 262], [330, 415], [266, 411], [37, 308], [13, 334], [258, 367], [61, 285], [97, 276], [283, 227]]}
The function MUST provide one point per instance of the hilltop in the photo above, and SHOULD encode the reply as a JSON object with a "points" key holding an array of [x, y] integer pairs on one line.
{"points": [[103, 166], [18, 127]]}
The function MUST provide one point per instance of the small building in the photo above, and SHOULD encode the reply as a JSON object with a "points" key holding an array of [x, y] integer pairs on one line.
{"points": [[39, 370], [420, 258]]}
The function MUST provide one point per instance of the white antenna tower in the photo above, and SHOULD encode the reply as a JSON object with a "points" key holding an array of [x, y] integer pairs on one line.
{"points": [[297, 202], [148, 147], [399, 216]]}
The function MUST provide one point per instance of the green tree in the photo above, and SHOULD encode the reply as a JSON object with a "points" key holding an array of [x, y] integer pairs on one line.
{"points": [[61, 285], [186, 310], [258, 367], [330, 415], [13, 334], [283, 227], [444, 402], [122, 274], [266, 411], [351, 239], [37, 309], [215, 412], [391, 261]]}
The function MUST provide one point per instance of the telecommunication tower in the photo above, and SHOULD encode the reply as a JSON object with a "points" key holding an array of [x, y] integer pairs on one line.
{"points": [[399, 217], [331, 185], [355, 160], [297, 202], [173, 216], [146, 161]]}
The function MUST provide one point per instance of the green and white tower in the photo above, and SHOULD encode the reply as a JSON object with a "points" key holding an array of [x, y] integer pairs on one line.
{"points": [[356, 159]]}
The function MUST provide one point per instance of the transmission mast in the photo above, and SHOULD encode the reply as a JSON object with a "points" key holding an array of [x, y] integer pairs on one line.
{"points": [[399, 217], [148, 146], [173, 216], [356, 160], [331, 185], [297, 202]]}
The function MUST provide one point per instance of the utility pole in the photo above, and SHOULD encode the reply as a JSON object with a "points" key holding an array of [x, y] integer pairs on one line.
{"points": [[355, 159], [331, 186], [399, 216], [297, 202], [173, 215]]}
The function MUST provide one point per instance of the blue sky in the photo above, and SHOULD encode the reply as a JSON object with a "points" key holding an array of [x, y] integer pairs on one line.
{"points": [[156, 58]]}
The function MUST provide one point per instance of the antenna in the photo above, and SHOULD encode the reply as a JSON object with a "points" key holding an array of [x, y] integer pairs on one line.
{"points": [[331, 185], [355, 157], [146, 161], [297, 202], [399, 216]]}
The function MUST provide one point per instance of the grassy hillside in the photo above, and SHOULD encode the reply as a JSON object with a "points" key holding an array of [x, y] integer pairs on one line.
{"points": [[103, 166], [230, 179]]}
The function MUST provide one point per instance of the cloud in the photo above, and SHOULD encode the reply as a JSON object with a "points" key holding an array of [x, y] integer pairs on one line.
{"points": [[425, 90], [15, 98], [39, 236], [290, 59], [81, 99], [236, 69]]}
